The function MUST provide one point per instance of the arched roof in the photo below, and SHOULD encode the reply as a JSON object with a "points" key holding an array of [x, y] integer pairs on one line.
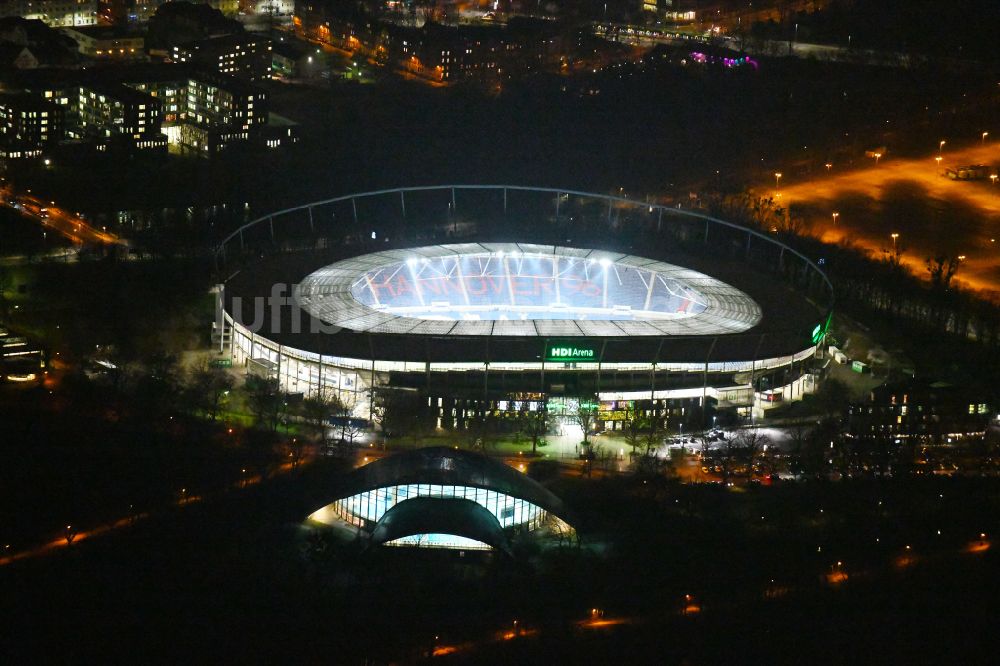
{"points": [[440, 515], [509, 289], [451, 467]]}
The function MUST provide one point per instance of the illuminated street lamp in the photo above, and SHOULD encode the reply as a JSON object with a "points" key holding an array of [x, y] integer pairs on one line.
{"points": [[894, 237], [938, 160], [985, 134], [993, 177], [828, 167], [777, 179], [877, 156], [941, 146], [835, 216]]}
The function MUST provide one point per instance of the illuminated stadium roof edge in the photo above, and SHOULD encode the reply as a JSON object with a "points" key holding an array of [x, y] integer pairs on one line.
{"points": [[510, 289]]}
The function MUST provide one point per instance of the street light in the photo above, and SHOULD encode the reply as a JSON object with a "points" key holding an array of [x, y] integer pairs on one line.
{"points": [[877, 156], [777, 179], [835, 216], [985, 134], [938, 160], [993, 177], [828, 167], [941, 146], [894, 237]]}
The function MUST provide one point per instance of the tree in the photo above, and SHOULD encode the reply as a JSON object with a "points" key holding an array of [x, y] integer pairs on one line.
{"points": [[739, 453], [294, 449], [604, 455], [349, 426], [398, 412], [815, 452], [751, 444], [208, 387], [632, 429], [534, 424], [266, 401], [833, 396], [798, 433], [653, 432], [157, 385], [586, 415], [316, 410], [481, 431], [942, 269], [894, 258]]}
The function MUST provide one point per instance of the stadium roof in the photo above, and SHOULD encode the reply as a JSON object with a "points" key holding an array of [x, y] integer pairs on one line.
{"points": [[522, 290]]}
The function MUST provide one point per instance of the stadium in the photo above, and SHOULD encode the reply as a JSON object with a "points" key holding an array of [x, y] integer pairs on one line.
{"points": [[501, 299]]}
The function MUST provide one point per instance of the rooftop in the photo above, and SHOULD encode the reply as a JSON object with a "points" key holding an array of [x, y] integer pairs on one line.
{"points": [[522, 290], [105, 32]]}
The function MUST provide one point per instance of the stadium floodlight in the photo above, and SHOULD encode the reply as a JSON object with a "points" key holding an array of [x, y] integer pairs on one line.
{"points": [[411, 262], [605, 262]]}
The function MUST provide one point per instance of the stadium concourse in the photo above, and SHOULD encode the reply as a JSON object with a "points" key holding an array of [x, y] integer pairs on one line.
{"points": [[659, 310]]}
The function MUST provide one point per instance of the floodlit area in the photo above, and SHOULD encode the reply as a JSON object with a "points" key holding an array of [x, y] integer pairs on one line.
{"points": [[524, 286], [515, 289], [910, 204]]}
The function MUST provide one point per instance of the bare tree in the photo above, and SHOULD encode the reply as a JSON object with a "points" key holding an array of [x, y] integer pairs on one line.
{"points": [[942, 269], [632, 429], [399, 412], [208, 388], [266, 401], [653, 431], [350, 427], [482, 431], [317, 410], [586, 415], [750, 445], [534, 424]]}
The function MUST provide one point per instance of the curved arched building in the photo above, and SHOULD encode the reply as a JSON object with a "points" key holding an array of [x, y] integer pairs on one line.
{"points": [[445, 498]]}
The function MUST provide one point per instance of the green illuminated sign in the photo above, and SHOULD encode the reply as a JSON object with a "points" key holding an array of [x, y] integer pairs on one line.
{"points": [[820, 331], [569, 352]]}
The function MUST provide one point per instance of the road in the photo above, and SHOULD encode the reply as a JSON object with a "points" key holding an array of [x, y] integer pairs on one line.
{"points": [[931, 213], [50, 216]]}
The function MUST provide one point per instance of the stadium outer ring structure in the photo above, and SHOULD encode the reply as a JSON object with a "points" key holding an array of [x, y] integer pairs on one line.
{"points": [[369, 359]]}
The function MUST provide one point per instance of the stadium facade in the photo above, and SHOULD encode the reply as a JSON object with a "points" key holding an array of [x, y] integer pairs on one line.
{"points": [[577, 296]]}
